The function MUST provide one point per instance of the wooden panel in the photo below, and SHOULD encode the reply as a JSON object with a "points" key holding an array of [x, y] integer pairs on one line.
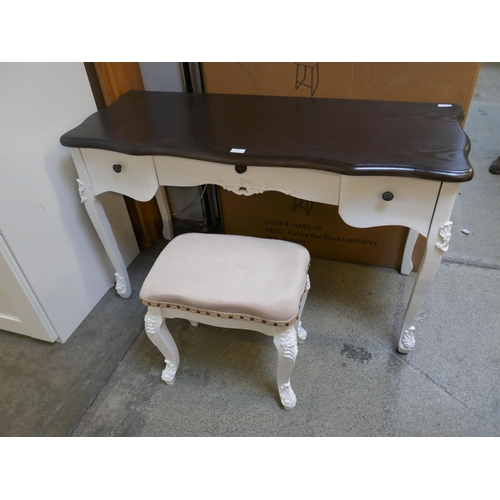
{"points": [[115, 79], [145, 216], [95, 85], [118, 78]]}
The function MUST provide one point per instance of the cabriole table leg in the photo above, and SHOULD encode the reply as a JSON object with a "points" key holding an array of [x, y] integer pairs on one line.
{"points": [[437, 243]]}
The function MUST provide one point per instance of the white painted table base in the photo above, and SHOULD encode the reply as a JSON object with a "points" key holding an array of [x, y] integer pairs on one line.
{"points": [[424, 206]]}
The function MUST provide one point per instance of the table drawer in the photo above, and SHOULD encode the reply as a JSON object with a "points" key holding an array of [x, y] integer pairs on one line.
{"points": [[314, 185], [133, 176], [368, 201]]}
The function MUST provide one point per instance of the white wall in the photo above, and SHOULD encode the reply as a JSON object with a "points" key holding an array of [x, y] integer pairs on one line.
{"points": [[41, 216]]}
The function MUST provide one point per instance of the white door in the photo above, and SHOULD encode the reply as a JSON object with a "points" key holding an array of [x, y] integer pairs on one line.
{"points": [[20, 311]]}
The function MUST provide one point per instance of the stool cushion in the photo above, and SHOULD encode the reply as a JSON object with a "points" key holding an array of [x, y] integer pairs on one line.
{"points": [[228, 276]]}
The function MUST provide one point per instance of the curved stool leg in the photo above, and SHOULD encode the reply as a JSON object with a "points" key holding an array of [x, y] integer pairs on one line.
{"points": [[158, 333], [286, 345], [301, 332]]}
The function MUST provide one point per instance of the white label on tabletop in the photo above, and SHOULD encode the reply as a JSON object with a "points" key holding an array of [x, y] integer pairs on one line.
{"points": [[445, 105], [236, 150]]}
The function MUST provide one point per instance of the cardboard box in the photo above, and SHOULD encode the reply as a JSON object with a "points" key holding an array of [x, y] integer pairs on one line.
{"points": [[417, 82], [316, 226]]}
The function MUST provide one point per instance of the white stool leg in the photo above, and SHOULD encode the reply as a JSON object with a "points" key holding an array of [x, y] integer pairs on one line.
{"points": [[301, 332], [286, 344], [158, 333]]}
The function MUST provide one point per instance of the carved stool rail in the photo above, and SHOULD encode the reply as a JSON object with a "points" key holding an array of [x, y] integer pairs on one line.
{"points": [[230, 281]]}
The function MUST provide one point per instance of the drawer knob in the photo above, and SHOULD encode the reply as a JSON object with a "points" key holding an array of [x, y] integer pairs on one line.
{"points": [[241, 169], [387, 196], [117, 168]]}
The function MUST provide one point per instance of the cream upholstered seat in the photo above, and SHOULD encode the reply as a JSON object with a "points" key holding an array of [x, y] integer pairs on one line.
{"points": [[230, 281]]}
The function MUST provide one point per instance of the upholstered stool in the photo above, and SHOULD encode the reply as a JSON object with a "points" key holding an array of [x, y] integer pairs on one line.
{"points": [[233, 282]]}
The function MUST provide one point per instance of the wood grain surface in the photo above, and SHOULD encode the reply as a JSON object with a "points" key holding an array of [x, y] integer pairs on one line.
{"points": [[350, 137]]}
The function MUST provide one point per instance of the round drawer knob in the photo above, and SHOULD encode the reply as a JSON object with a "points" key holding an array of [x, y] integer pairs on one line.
{"points": [[387, 196], [117, 168], [241, 169]]}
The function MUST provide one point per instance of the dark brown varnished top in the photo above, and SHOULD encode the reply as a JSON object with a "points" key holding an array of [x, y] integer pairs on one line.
{"points": [[345, 136]]}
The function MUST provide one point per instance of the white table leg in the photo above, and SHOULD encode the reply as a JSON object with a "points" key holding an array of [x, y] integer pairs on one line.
{"points": [[101, 224], [437, 243], [407, 264], [161, 198]]}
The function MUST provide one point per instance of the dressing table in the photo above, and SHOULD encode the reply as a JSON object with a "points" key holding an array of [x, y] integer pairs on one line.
{"points": [[382, 163]]}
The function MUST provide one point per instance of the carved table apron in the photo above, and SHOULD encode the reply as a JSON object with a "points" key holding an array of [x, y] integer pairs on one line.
{"points": [[381, 163]]}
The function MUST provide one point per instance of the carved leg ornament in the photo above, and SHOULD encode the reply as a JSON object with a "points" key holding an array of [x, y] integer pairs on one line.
{"points": [[287, 396], [288, 342], [445, 235], [120, 284], [286, 345], [168, 374], [149, 323], [407, 341], [301, 333], [81, 189]]}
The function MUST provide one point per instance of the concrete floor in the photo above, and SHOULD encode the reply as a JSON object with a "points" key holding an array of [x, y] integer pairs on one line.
{"points": [[349, 379]]}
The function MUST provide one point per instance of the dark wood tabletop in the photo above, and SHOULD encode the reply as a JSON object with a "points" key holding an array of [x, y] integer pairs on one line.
{"points": [[346, 136]]}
